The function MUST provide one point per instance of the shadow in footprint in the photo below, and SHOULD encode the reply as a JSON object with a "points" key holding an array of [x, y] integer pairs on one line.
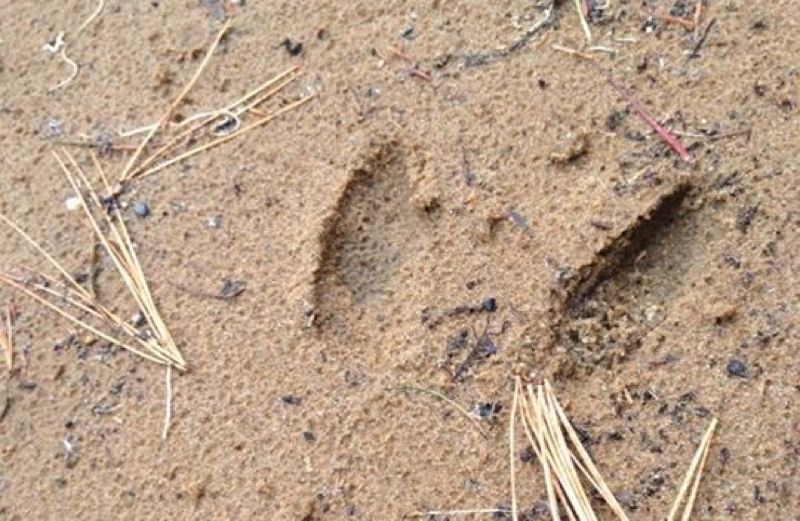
{"points": [[366, 240]]}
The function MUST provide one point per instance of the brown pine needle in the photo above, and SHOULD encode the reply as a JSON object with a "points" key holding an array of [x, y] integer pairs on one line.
{"points": [[10, 281], [693, 476], [277, 83], [80, 289], [564, 460], [168, 114], [224, 139], [123, 254]]}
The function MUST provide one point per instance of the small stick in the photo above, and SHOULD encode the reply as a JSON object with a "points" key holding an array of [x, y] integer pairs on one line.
{"points": [[635, 104], [716, 137], [696, 51], [224, 139], [651, 121]]}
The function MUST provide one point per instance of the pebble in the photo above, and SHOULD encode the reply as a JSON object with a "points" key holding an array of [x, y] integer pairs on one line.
{"points": [[72, 203], [141, 209], [214, 222], [290, 399], [489, 304], [737, 368], [52, 128]]}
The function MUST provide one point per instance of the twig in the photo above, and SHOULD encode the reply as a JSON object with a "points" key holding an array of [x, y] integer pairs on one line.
{"points": [[686, 24], [651, 121], [635, 104], [698, 12], [712, 137], [7, 340]]}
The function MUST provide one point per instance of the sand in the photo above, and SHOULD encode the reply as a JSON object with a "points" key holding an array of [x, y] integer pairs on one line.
{"points": [[372, 225]]}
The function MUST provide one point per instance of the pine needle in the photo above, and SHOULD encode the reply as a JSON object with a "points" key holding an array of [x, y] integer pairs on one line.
{"points": [[202, 148], [693, 476], [277, 83], [168, 114], [7, 339], [563, 458], [587, 33], [156, 344]]}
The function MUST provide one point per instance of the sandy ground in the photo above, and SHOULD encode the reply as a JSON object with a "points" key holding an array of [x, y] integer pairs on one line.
{"points": [[371, 226]]}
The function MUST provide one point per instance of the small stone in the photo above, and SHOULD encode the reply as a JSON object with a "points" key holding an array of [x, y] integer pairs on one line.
{"points": [[141, 209], [52, 128], [527, 455], [290, 399], [197, 489], [138, 320], [214, 222], [292, 47], [309, 436], [489, 304], [72, 203], [486, 410], [737, 368]]}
